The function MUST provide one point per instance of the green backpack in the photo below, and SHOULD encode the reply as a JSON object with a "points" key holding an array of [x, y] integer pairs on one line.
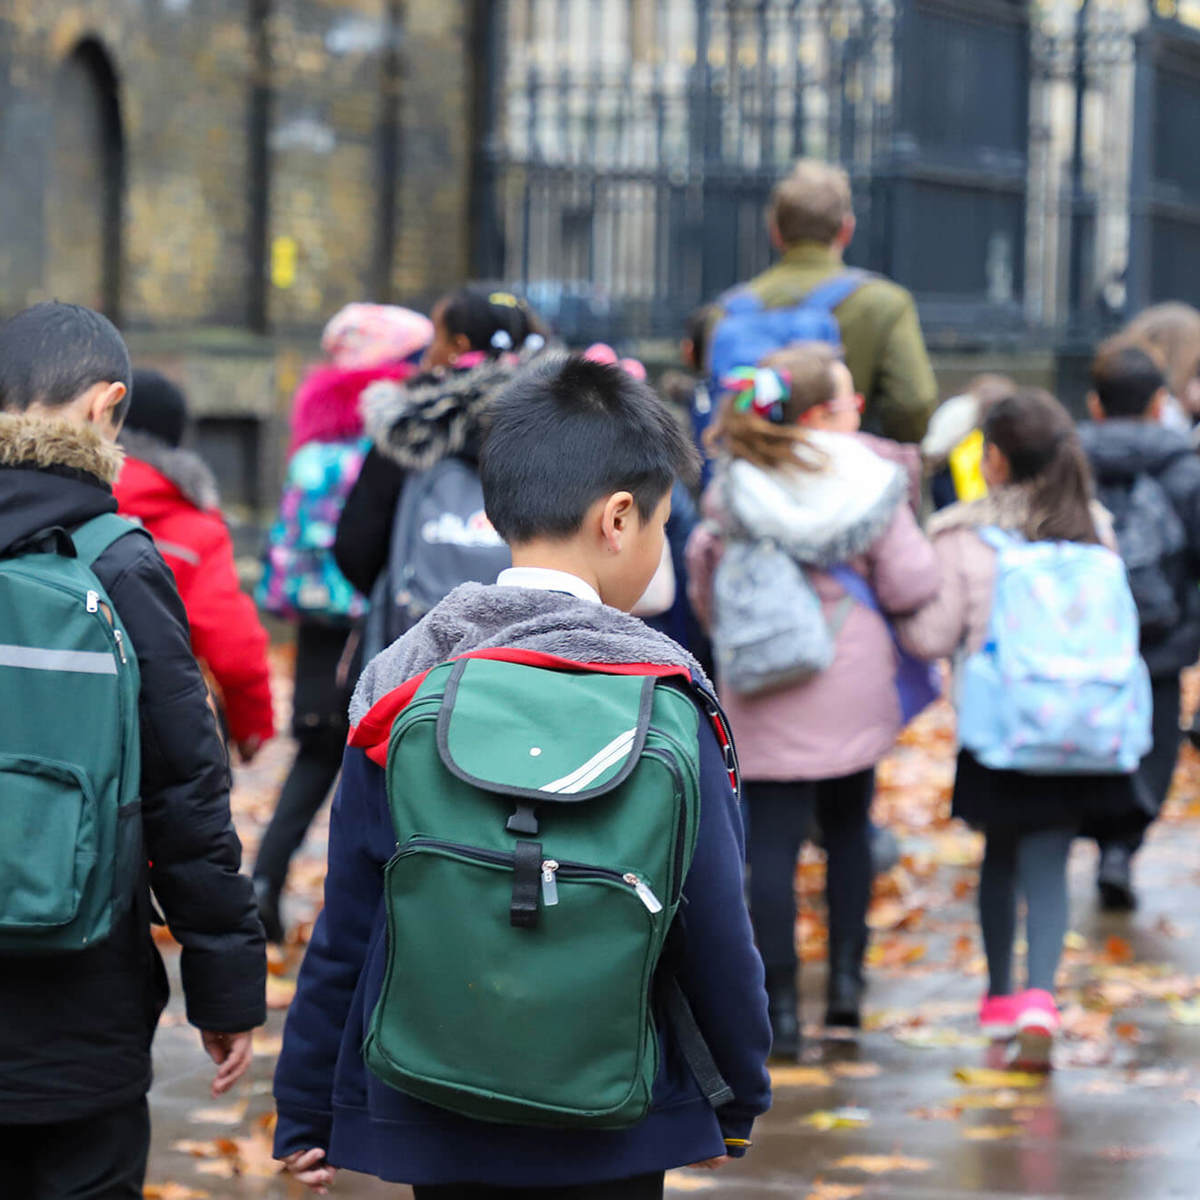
{"points": [[545, 822], [70, 760]]}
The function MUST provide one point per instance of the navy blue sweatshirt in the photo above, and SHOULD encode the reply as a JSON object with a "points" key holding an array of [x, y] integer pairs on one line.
{"points": [[326, 1098]]}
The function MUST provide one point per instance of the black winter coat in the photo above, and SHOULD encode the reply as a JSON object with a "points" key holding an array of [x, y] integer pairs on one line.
{"points": [[1121, 451], [75, 1030]]}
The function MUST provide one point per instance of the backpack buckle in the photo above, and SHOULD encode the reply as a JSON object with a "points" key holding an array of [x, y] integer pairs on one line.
{"points": [[523, 820]]}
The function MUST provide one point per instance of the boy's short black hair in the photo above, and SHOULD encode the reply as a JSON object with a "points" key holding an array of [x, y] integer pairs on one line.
{"points": [[52, 353], [567, 432], [1126, 378]]}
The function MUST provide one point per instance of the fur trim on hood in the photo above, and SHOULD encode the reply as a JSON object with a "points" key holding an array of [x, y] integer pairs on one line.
{"points": [[820, 517], [184, 468], [1005, 508], [328, 404], [36, 441], [478, 617], [439, 413]]}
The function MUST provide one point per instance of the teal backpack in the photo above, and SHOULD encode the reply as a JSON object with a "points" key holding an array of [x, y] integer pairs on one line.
{"points": [[545, 815], [70, 753]]}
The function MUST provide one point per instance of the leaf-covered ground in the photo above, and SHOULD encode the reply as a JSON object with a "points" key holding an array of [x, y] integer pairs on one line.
{"points": [[918, 1105]]}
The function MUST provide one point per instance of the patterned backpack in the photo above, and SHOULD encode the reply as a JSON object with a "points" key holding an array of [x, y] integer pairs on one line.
{"points": [[300, 577], [1059, 686]]}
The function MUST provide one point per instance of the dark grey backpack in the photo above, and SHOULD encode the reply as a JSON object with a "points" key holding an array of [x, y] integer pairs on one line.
{"points": [[441, 537], [1150, 536]]}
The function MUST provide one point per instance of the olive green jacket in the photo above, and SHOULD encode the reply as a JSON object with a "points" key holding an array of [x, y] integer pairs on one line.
{"points": [[881, 336]]}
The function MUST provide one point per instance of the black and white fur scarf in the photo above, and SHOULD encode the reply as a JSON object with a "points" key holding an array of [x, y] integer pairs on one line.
{"points": [[439, 413]]}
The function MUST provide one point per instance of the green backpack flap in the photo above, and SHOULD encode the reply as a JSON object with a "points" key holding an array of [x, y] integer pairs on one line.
{"points": [[70, 762], [545, 822]]}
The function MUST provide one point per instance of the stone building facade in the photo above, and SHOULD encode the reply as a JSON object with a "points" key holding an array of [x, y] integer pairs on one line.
{"points": [[221, 175]]}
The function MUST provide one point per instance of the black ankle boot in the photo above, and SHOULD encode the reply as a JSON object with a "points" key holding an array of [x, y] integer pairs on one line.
{"points": [[844, 996], [267, 895], [1115, 879], [782, 1005]]}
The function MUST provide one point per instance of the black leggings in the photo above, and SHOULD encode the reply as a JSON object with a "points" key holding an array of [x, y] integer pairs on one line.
{"points": [[309, 782], [642, 1187], [780, 817]]}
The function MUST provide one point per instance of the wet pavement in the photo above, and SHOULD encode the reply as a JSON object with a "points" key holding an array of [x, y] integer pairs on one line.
{"points": [[908, 1109]]}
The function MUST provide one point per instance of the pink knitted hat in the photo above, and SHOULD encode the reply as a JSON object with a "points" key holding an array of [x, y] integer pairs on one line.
{"points": [[367, 335]]}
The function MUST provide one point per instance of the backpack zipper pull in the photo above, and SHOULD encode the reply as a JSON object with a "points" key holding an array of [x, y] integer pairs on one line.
{"points": [[644, 894], [549, 883], [120, 645], [93, 602]]}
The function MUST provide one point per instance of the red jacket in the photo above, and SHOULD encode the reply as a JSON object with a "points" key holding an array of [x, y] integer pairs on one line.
{"points": [[176, 500]]}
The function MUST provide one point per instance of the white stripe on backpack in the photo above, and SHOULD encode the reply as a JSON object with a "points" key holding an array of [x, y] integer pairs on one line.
{"points": [[595, 766]]}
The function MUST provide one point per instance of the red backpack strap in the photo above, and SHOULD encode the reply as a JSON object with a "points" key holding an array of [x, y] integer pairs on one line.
{"points": [[374, 731]]}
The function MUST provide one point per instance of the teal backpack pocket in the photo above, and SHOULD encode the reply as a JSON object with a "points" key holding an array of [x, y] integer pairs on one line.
{"points": [[48, 857]]}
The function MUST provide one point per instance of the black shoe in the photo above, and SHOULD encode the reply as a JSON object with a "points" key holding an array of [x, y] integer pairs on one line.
{"points": [[845, 988], [782, 1005], [845, 998], [267, 895], [1114, 879]]}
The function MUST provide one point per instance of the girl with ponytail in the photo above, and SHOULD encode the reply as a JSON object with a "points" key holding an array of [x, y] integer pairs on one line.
{"points": [[1040, 491]]}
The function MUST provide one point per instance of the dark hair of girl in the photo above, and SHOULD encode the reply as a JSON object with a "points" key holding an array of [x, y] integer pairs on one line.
{"points": [[494, 322], [1037, 436]]}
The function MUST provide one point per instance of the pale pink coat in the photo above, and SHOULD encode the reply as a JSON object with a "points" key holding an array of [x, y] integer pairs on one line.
{"points": [[848, 717], [955, 622]]}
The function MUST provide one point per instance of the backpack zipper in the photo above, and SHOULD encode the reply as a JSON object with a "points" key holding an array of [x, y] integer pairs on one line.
{"points": [[120, 639], [93, 602], [550, 867]]}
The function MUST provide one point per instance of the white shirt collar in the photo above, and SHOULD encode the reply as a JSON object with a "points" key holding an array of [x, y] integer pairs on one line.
{"points": [[546, 579]]}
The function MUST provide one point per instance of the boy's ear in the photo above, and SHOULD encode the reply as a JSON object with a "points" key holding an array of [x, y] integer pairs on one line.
{"points": [[615, 519], [102, 401], [1094, 407]]}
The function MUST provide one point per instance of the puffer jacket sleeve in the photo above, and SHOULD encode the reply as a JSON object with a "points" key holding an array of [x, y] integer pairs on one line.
{"points": [[903, 566], [228, 636], [335, 959], [721, 973], [942, 626], [190, 840], [364, 532]]}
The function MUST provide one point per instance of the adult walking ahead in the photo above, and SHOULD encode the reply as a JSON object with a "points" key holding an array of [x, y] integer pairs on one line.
{"points": [[811, 222]]}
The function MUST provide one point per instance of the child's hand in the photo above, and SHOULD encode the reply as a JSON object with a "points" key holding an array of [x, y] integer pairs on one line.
{"points": [[711, 1164], [232, 1053], [310, 1168]]}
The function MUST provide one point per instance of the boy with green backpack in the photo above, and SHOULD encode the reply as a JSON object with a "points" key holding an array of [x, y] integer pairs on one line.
{"points": [[535, 973], [113, 781]]}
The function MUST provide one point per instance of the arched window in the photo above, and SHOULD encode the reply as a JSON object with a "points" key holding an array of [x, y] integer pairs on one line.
{"points": [[86, 182]]}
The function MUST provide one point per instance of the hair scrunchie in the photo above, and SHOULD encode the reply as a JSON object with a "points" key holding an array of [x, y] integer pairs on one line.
{"points": [[760, 390]]}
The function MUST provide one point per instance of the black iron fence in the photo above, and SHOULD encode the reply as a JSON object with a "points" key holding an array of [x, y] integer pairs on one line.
{"points": [[630, 149]]}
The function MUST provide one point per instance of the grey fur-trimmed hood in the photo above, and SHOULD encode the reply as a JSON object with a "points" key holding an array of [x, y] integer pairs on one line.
{"points": [[184, 468], [440, 413], [820, 517], [479, 617]]}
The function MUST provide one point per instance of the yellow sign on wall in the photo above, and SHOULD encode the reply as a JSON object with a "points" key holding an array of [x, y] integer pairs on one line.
{"points": [[285, 254]]}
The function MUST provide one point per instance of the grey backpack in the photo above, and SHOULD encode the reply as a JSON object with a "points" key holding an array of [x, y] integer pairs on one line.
{"points": [[769, 630], [441, 537]]}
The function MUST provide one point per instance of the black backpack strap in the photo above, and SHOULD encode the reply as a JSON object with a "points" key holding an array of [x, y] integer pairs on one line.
{"points": [[692, 1045]]}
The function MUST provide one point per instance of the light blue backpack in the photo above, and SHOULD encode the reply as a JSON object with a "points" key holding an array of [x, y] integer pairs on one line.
{"points": [[1059, 686]]}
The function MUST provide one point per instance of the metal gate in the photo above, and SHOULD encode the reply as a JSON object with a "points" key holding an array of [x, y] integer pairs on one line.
{"points": [[1164, 259], [629, 147]]}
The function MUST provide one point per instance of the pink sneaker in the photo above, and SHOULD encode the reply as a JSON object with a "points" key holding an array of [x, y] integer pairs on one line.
{"points": [[1037, 1023], [998, 1016]]}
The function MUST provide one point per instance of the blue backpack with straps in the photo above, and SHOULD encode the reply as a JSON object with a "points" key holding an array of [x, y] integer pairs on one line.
{"points": [[748, 331]]}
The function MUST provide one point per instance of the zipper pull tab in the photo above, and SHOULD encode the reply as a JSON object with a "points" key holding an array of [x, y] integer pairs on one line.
{"points": [[93, 602], [549, 883], [644, 894], [120, 645]]}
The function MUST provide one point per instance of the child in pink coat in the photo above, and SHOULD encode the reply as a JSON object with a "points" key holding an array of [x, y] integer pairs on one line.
{"points": [[812, 747]]}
